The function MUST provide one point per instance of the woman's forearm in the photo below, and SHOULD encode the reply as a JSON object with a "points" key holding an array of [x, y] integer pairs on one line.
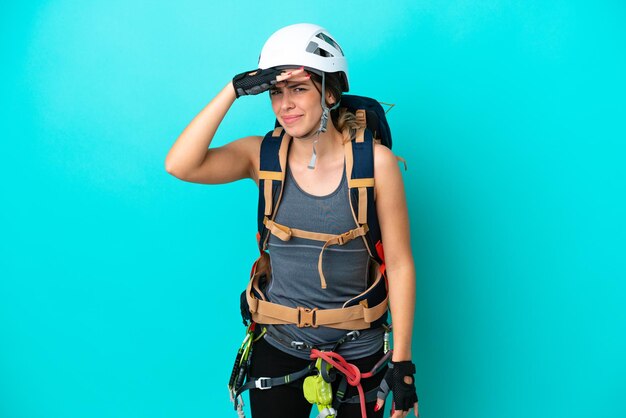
{"points": [[402, 305]]}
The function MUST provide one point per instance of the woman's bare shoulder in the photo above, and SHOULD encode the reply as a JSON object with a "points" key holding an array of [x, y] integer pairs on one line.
{"points": [[384, 159]]}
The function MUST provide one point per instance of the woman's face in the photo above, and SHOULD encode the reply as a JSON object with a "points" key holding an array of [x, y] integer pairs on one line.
{"points": [[296, 104]]}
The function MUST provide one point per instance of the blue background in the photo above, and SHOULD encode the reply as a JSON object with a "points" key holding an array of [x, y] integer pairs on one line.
{"points": [[119, 284]]}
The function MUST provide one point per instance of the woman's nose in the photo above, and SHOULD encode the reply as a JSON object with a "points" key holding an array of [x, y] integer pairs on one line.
{"points": [[286, 102]]}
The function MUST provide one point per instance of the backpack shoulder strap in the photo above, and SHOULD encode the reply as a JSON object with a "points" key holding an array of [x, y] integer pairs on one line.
{"points": [[360, 171], [273, 161]]}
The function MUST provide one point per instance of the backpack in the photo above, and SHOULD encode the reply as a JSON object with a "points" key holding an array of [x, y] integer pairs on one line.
{"points": [[366, 310], [370, 114]]}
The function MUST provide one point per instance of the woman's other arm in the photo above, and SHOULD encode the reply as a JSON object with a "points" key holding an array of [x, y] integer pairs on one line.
{"points": [[394, 224]]}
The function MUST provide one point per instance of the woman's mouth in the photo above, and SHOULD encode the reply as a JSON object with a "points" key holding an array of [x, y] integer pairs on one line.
{"points": [[288, 120]]}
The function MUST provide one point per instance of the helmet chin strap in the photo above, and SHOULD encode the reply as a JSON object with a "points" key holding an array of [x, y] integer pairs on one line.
{"points": [[323, 123]]}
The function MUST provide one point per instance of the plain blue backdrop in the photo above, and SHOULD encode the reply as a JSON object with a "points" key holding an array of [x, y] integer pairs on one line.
{"points": [[119, 284]]}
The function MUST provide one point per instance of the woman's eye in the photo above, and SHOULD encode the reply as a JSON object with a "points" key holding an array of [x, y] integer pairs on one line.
{"points": [[274, 92], [299, 89]]}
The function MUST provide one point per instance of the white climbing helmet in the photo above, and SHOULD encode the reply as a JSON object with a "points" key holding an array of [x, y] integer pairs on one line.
{"points": [[308, 45]]}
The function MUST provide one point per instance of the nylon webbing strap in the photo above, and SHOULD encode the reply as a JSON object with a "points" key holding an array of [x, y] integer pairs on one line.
{"points": [[267, 192], [269, 169], [360, 118], [370, 396], [362, 215], [355, 317], [338, 240], [269, 178], [360, 135], [273, 159], [357, 178], [284, 233], [347, 149], [362, 205], [270, 175], [403, 161], [356, 183], [263, 383]]}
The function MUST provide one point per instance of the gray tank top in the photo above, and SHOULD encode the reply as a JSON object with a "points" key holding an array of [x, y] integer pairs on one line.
{"points": [[295, 278]]}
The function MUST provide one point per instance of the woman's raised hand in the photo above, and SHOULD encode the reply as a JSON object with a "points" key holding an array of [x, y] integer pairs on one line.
{"points": [[258, 81], [255, 82], [298, 74]]}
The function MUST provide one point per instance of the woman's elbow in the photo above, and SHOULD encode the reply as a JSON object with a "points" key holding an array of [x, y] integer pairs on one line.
{"points": [[175, 170]]}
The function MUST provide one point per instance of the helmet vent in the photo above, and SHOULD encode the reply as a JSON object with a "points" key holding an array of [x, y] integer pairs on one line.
{"points": [[314, 48], [329, 40]]}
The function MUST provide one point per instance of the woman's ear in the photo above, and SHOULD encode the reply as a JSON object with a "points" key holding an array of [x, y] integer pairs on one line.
{"points": [[330, 99]]}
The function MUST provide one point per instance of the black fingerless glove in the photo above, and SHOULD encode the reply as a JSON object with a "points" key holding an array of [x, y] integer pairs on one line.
{"points": [[404, 394], [255, 82]]}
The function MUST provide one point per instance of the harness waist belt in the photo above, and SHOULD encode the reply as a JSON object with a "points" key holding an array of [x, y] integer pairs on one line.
{"points": [[355, 317]]}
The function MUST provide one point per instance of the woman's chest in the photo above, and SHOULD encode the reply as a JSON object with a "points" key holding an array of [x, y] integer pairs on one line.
{"points": [[323, 180]]}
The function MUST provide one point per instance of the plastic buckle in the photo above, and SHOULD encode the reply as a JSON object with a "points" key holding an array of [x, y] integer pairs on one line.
{"points": [[260, 383], [298, 345], [353, 335], [307, 317]]}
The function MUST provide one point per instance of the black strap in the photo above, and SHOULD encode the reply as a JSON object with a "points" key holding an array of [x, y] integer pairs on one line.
{"points": [[263, 383], [340, 393], [370, 396], [285, 341], [338, 399]]}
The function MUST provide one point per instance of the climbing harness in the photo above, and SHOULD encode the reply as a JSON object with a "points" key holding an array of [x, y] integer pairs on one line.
{"points": [[317, 376]]}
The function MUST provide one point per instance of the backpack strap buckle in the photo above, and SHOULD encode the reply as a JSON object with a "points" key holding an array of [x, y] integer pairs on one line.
{"points": [[307, 317], [352, 234]]}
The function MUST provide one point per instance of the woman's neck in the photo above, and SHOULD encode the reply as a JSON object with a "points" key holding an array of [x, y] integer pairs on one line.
{"points": [[321, 175], [328, 146]]}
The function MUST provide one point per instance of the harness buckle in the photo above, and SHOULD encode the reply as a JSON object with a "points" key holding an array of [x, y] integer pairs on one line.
{"points": [[298, 345], [307, 317], [263, 383], [353, 335]]}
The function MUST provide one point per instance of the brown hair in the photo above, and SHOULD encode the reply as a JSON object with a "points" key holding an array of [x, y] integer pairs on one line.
{"points": [[344, 121]]}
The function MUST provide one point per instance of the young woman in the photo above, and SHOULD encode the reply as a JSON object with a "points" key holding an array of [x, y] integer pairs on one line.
{"points": [[305, 72]]}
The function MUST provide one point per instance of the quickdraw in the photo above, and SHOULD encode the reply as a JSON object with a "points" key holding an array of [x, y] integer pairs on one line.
{"points": [[240, 368]]}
